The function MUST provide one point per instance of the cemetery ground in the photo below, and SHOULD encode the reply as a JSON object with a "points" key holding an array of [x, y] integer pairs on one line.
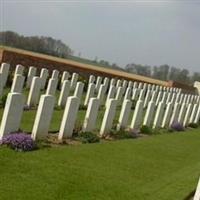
{"points": [[162, 166]]}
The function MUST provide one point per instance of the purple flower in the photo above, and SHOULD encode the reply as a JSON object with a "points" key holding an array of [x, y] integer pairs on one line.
{"points": [[19, 142], [177, 126]]}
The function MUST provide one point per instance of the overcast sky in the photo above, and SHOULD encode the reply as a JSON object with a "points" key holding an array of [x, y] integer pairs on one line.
{"points": [[143, 32]]}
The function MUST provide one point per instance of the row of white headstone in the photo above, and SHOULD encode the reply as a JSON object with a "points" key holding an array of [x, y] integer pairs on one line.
{"points": [[163, 106]]}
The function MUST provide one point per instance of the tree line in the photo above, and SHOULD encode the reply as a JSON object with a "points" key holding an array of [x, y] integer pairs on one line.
{"points": [[46, 45], [54, 47]]}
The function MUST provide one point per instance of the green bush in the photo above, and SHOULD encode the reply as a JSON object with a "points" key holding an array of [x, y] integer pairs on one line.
{"points": [[193, 125], [82, 107], [88, 137], [146, 130], [122, 134], [3, 100]]}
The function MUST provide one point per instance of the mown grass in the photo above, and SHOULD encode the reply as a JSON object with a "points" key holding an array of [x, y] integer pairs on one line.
{"points": [[164, 167]]}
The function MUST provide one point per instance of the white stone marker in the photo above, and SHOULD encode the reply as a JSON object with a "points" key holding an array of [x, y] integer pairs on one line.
{"points": [[55, 74], [1, 84], [197, 193], [137, 115], [112, 82], [119, 94], [91, 115], [178, 96], [124, 84], [111, 93], [4, 70], [18, 83], [153, 87], [148, 118], [130, 84], [140, 86], [19, 70], [128, 94], [52, 86], [34, 92], [169, 96], [91, 79], [175, 113], [74, 80], [135, 84], [31, 73], [159, 98], [90, 93], [147, 98], [193, 114], [149, 86], [181, 98], [43, 117], [79, 90], [187, 115], [106, 83], [182, 113], [12, 114], [173, 99], [101, 93], [135, 94], [69, 117], [145, 86], [65, 76], [141, 95], [154, 96], [124, 114], [64, 93], [159, 115], [164, 97], [98, 83], [119, 83], [43, 75], [197, 117], [185, 98], [108, 116], [167, 115]]}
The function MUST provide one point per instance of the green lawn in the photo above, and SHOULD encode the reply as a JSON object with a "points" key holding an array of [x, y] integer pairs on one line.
{"points": [[160, 167]]}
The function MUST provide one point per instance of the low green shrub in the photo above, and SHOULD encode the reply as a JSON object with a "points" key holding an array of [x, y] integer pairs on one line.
{"points": [[146, 130], [193, 125], [88, 137], [82, 107], [122, 134], [3, 100]]}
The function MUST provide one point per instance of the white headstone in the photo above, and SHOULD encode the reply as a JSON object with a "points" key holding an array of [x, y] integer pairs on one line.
{"points": [[91, 115], [4, 70], [34, 93], [69, 117], [74, 80], [167, 115], [149, 115], [137, 115], [90, 93], [124, 114], [43, 75], [12, 114], [18, 83], [64, 93], [159, 115], [43, 117], [31, 73], [19, 70], [52, 86], [79, 90], [108, 117]]}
